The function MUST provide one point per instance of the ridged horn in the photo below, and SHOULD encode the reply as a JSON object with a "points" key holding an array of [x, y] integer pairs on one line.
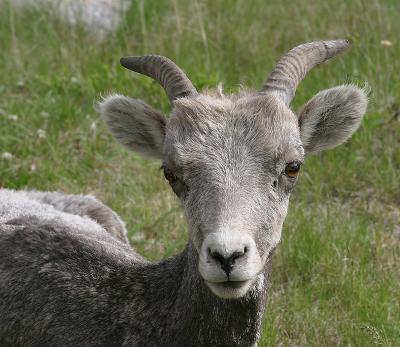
{"points": [[164, 71], [293, 66]]}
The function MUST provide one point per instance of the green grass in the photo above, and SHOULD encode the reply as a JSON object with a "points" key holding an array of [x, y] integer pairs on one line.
{"points": [[336, 275]]}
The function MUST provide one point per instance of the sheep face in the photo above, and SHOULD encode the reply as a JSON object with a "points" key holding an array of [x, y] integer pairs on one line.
{"points": [[233, 162], [226, 159]]}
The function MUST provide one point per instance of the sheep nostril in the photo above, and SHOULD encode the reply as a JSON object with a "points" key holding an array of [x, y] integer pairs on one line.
{"points": [[245, 250], [226, 263], [216, 256]]}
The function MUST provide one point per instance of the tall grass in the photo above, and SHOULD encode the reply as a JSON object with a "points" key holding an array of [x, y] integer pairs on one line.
{"points": [[336, 277]]}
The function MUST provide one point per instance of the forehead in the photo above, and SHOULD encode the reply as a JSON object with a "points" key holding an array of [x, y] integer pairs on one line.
{"points": [[206, 128]]}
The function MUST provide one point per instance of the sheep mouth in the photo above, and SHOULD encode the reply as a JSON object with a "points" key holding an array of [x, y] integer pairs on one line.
{"points": [[229, 289], [231, 284]]}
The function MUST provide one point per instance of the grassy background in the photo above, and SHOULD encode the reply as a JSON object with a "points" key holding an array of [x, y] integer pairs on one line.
{"points": [[336, 278]]}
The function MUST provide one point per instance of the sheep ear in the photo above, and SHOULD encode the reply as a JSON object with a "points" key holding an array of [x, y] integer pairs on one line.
{"points": [[331, 117], [134, 124]]}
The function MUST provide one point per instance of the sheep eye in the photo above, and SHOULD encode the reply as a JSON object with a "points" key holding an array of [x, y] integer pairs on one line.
{"points": [[177, 185], [292, 169], [169, 175]]}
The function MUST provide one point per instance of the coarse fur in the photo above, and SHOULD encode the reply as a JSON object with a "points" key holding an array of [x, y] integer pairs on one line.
{"points": [[86, 206], [77, 277], [68, 280]]}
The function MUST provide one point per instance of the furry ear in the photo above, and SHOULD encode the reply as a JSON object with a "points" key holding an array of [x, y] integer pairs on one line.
{"points": [[134, 124], [331, 117]]}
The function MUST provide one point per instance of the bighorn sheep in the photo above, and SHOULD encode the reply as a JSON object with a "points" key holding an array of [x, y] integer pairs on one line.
{"points": [[233, 162]]}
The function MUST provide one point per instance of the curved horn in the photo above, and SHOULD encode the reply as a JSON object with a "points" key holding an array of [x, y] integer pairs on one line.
{"points": [[293, 66], [164, 71]]}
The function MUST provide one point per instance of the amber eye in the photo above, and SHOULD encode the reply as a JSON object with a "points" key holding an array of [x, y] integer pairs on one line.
{"points": [[292, 169], [169, 175]]}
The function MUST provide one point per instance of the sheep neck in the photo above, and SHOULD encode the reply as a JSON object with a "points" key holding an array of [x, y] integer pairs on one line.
{"points": [[189, 314]]}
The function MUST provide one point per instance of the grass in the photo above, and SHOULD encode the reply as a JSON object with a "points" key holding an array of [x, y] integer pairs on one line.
{"points": [[336, 276]]}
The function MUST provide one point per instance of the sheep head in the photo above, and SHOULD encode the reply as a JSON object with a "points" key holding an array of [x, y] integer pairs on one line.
{"points": [[234, 160]]}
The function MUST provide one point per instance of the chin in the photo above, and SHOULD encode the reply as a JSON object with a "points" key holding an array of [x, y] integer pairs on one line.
{"points": [[230, 289]]}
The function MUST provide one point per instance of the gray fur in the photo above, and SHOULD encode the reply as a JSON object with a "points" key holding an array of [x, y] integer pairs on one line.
{"points": [[86, 206], [331, 117], [66, 281], [143, 128], [69, 281]]}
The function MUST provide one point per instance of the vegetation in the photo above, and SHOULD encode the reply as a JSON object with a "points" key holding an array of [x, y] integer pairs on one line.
{"points": [[336, 275]]}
